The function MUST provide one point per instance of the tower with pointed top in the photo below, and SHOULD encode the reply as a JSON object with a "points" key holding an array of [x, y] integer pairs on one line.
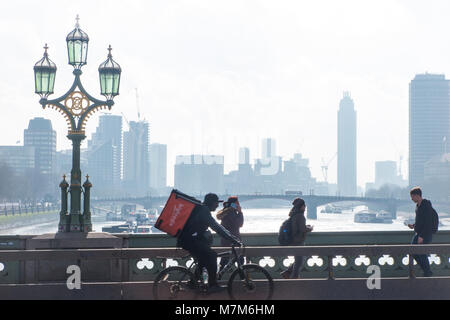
{"points": [[346, 156]]}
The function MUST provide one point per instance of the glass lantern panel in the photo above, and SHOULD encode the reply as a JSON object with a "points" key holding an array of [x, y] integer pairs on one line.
{"points": [[116, 84], [102, 83], [70, 49], [84, 53], [51, 83], [37, 80], [78, 50], [108, 83], [45, 82]]}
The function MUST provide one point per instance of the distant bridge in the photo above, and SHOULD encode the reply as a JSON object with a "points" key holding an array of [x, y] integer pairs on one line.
{"points": [[312, 201]]}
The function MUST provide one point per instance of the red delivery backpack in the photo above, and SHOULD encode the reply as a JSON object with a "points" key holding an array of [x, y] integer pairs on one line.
{"points": [[176, 212]]}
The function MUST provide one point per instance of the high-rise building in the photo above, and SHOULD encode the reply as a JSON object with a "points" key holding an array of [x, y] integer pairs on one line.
{"points": [[346, 155], [158, 166], [42, 137], [297, 175], [385, 173], [268, 148], [199, 174], [244, 156], [109, 129], [429, 122], [136, 159], [437, 177], [104, 156], [269, 164], [19, 158]]}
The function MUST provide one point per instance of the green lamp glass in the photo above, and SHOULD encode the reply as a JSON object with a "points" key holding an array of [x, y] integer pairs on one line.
{"points": [[109, 72], [77, 46], [44, 75]]}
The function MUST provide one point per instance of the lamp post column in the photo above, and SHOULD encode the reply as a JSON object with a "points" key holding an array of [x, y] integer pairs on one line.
{"points": [[76, 220]]}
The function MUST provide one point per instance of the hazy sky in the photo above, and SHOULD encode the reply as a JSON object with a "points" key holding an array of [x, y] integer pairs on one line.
{"points": [[214, 76]]}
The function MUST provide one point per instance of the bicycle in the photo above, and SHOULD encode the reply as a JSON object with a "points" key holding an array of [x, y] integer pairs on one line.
{"points": [[247, 282]]}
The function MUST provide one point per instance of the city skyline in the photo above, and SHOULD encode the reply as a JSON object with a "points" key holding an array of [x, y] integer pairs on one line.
{"points": [[102, 156], [249, 85]]}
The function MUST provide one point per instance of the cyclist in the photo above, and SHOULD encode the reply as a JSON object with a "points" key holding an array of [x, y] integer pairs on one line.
{"points": [[196, 238]]}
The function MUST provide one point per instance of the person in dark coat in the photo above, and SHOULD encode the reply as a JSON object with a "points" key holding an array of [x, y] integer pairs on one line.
{"points": [[423, 227], [232, 219], [299, 231], [197, 240]]}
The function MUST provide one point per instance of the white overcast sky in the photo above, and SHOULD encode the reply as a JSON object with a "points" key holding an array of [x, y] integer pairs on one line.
{"points": [[214, 76]]}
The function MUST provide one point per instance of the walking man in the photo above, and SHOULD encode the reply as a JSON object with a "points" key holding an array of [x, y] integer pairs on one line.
{"points": [[422, 227]]}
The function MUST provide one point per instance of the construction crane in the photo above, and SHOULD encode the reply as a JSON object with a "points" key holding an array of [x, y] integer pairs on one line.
{"points": [[400, 166], [137, 105], [325, 167]]}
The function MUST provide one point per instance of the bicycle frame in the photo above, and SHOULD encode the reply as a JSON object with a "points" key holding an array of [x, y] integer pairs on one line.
{"points": [[234, 258], [231, 262]]}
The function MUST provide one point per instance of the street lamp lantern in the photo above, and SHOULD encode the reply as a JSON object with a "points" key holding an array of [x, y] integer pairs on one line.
{"points": [[77, 46], [109, 72], [44, 75], [76, 105]]}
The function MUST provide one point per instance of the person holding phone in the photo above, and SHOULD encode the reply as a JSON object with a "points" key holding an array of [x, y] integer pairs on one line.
{"points": [[232, 219]]}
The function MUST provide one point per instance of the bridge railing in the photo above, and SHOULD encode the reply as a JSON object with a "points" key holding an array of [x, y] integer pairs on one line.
{"points": [[12, 210], [143, 264]]}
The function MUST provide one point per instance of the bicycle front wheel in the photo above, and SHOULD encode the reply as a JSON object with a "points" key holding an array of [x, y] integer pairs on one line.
{"points": [[175, 283], [252, 283]]}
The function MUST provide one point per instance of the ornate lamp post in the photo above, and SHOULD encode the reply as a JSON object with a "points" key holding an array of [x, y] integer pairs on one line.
{"points": [[76, 105]]}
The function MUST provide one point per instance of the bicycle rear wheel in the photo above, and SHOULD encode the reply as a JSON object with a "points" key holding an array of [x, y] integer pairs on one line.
{"points": [[254, 283], [175, 283]]}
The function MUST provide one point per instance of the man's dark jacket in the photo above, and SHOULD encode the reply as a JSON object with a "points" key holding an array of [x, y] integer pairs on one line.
{"points": [[424, 223], [197, 224]]}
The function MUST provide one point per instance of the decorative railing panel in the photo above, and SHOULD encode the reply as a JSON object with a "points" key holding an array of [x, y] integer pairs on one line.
{"points": [[141, 263]]}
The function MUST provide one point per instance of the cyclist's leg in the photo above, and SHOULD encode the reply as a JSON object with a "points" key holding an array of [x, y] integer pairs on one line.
{"points": [[191, 247], [206, 257]]}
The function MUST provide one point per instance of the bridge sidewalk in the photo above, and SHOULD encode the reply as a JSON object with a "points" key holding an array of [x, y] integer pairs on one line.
{"points": [[436, 288]]}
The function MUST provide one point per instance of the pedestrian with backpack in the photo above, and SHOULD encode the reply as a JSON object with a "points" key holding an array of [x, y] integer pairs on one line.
{"points": [[426, 224], [298, 231]]}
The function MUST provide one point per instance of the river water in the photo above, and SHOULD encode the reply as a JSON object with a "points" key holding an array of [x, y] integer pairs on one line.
{"points": [[263, 220]]}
